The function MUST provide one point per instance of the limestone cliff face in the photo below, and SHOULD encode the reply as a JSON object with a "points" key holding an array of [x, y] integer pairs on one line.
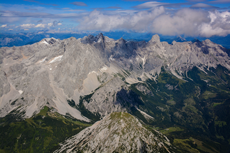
{"points": [[53, 71], [117, 132]]}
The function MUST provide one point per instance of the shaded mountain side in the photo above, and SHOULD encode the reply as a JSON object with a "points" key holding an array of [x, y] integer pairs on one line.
{"points": [[194, 104]]}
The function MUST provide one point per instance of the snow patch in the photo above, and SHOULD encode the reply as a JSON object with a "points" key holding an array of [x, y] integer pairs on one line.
{"points": [[55, 59], [144, 60], [44, 42], [104, 68], [20, 91], [100, 40], [111, 58], [43, 60]]}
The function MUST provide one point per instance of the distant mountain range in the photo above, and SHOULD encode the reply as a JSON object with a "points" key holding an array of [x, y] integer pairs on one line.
{"points": [[98, 94], [20, 39]]}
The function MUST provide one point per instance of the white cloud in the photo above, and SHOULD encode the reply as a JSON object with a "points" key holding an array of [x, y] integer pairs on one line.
{"points": [[189, 22], [185, 21], [40, 25], [27, 25], [4, 25], [50, 24], [54, 23], [219, 24], [193, 23], [139, 21]]}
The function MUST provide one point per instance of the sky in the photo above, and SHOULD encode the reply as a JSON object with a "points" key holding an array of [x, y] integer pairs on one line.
{"points": [[204, 18]]}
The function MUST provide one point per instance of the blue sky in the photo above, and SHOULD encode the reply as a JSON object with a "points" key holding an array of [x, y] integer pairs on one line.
{"points": [[180, 17]]}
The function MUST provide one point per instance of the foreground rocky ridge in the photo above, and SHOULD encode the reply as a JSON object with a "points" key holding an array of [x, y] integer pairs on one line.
{"points": [[117, 132], [53, 71]]}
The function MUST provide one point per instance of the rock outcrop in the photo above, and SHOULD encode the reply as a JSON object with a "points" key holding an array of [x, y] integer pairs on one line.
{"points": [[117, 132]]}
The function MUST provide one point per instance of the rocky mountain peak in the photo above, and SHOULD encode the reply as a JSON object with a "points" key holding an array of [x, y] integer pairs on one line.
{"points": [[100, 36], [90, 38], [121, 41], [208, 41], [117, 132], [180, 39], [51, 40], [155, 38], [48, 41]]}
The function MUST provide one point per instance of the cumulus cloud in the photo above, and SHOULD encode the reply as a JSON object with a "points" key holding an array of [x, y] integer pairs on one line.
{"points": [[27, 25], [219, 24], [189, 22], [50, 24], [193, 23], [54, 23], [138, 21], [185, 21], [40, 25], [4, 26]]}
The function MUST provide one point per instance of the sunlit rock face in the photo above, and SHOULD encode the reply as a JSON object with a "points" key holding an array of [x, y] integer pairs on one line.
{"points": [[52, 71], [117, 132]]}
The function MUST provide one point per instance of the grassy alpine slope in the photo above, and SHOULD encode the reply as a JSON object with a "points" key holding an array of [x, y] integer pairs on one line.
{"points": [[193, 113], [40, 133]]}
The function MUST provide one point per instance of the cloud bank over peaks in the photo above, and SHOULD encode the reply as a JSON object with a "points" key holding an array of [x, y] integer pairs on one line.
{"points": [[41, 25], [187, 21], [219, 24], [125, 20]]}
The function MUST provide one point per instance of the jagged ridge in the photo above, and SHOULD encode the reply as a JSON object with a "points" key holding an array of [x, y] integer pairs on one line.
{"points": [[52, 71], [117, 132]]}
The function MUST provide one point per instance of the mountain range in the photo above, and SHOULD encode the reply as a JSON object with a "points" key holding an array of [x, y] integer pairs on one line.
{"points": [[20, 39], [111, 95]]}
